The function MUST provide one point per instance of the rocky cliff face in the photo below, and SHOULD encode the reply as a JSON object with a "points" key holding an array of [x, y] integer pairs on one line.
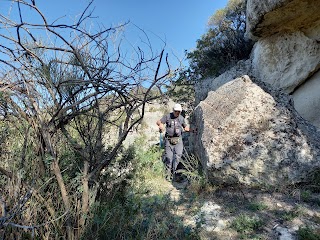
{"points": [[270, 17], [250, 134], [286, 54]]}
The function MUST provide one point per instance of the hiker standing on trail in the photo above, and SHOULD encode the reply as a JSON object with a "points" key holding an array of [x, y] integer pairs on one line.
{"points": [[175, 123]]}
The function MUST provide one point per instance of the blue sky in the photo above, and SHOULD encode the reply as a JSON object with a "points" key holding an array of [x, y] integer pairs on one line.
{"points": [[179, 23]]}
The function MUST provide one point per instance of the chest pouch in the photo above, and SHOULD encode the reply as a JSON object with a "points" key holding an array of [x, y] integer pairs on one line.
{"points": [[174, 140], [174, 128]]}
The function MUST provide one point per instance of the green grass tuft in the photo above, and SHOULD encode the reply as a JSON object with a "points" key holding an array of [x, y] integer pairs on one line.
{"points": [[246, 225], [306, 233]]}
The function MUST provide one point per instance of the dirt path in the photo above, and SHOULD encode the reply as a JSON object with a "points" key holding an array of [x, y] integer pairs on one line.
{"points": [[235, 213]]}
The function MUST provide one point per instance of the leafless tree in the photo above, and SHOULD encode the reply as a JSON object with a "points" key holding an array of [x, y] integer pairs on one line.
{"points": [[58, 77]]}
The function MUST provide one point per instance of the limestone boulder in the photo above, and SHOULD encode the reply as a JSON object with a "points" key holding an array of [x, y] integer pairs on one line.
{"points": [[307, 100], [287, 52], [253, 135], [286, 60], [211, 84], [269, 17]]}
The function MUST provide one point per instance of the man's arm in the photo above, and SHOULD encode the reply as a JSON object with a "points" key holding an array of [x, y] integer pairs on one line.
{"points": [[160, 125], [184, 125]]}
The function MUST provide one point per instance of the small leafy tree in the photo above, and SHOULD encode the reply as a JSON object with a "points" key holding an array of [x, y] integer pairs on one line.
{"points": [[224, 43]]}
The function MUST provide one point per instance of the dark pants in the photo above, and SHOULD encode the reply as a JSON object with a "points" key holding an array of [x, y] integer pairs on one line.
{"points": [[173, 155]]}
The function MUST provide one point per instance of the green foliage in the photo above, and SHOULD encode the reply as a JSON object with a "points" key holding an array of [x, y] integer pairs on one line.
{"points": [[134, 212], [4, 132], [118, 177], [150, 159], [192, 170], [289, 215], [246, 225], [223, 44], [12, 134], [306, 233], [314, 180], [257, 206], [306, 195], [138, 218], [182, 90]]}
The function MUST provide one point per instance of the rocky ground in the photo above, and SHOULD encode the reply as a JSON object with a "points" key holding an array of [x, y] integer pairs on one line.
{"points": [[239, 213]]}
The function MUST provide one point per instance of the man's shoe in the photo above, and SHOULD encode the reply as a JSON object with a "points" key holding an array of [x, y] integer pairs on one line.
{"points": [[177, 178], [168, 177]]}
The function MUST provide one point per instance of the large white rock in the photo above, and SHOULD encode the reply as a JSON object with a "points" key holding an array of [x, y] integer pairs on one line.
{"points": [[250, 136], [269, 17], [211, 84], [287, 52], [285, 60], [307, 100]]}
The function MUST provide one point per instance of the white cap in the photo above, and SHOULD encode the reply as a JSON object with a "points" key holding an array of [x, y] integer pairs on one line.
{"points": [[177, 107]]}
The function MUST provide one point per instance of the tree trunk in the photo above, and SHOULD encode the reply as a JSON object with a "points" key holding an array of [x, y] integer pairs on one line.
{"points": [[64, 194], [85, 196], [65, 198]]}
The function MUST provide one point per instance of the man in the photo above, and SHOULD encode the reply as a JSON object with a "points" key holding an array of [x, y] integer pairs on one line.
{"points": [[175, 123]]}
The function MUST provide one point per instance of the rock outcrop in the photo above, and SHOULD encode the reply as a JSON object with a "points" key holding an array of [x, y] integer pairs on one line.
{"points": [[203, 87], [270, 17], [286, 54], [251, 136], [287, 51], [286, 61]]}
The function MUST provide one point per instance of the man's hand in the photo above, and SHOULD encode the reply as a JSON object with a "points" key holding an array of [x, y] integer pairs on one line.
{"points": [[194, 130], [160, 125]]}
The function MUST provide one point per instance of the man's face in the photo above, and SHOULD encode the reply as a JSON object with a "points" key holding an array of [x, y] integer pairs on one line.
{"points": [[176, 113]]}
